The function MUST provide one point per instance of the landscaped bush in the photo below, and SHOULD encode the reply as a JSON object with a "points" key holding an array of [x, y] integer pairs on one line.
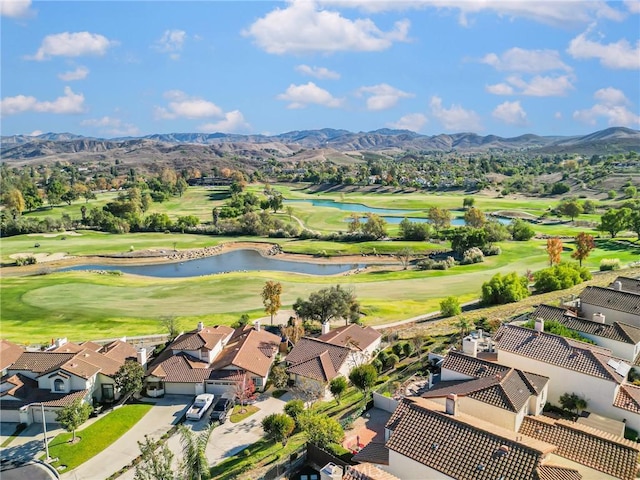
{"points": [[491, 250], [609, 264], [630, 434], [559, 277], [557, 328], [28, 260], [473, 255], [430, 264]]}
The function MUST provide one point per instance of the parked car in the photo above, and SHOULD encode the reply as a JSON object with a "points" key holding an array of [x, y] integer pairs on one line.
{"points": [[221, 410], [200, 406]]}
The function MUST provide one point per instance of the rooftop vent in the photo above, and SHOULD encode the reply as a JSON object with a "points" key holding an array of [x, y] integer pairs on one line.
{"points": [[480, 467], [434, 447]]}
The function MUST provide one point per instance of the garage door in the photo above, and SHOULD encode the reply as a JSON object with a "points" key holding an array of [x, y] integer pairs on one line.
{"points": [[180, 389]]}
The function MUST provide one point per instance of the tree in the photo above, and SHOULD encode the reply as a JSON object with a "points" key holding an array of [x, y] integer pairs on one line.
{"points": [[468, 202], [520, 230], [278, 427], [354, 223], [73, 415], [271, 298], [245, 390], [187, 221], [504, 289], [573, 402], [128, 378], [559, 277], [181, 186], [495, 232], [145, 202], [418, 340], [450, 307], [570, 208], [463, 324], [364, 378], [321, 430], [158, 222], [294, 408], [614, 221], [275, 202], [439, 217], [630, 192], [194, 460], [327, 304], [14, 201], [414, 231], [633, 222], [337, 386], [215, 213], [54, 189], [279, 376], [404, 255], [375, 226], [289, 210], [474, 217], [170, 324], [584, 245], [155, 463], [554, 249], [559, 188], [293, 331]]}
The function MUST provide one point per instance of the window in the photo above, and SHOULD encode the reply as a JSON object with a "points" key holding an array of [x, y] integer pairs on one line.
{"points": [[58, 385], [257, 381], [107, 392]]}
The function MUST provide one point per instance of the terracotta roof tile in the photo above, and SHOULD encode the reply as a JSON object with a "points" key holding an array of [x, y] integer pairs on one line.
{"points": [[353, 336], [309, 358], [68, 347], [206, 338], [180, 369], [96, 347], [318, 368], [41, 362], [628, 398], [627, 284], [120, 351], [473, 367], [367, 472], [106, 365], [617, 331], [553, 472], [556, 350], [250, 350], [462, 446], [548, 312], [9, 353], [596, 449], [26, 391], [627, 302]]}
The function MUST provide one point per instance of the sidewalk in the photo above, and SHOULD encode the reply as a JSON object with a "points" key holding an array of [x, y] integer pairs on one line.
{"points": [[166, 412]]}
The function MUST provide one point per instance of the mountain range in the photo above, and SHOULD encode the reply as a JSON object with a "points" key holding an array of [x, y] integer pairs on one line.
{"points": [[325, 143]]}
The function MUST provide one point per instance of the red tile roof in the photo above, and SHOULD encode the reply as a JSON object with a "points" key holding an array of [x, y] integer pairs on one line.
{"points": [[628, 284], [41, 362], [556, 350], [313, 358], [250, 350], [206, 338], [621, 301], [596, 449], [9, 353], [318, 368], [119, 351], [462, 446], [180, 368], [628, 398], [352, 336], [373, 452], [367, 472], [553, 472], [26, 391]]}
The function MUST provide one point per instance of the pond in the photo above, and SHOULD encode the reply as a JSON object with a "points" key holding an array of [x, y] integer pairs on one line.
{"points": [[235, 261], [385, 213]]}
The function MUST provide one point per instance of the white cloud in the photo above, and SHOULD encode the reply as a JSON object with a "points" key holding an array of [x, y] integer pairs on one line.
{"points": [[16, 8], [557, 115], [633, 5], [618, 55], [184, 106], [550, 12], [538, 86], [69, 103], [72, 45], [318, 72], [171, 42], [382, 96], [526, 61], [303, 28], [79, 73], [511, 113], [233, 122], [611, 104], [112, 126], [300, 96], [412, 121], [455, 118]]}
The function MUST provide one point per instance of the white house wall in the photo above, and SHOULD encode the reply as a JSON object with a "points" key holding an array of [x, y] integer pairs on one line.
{"points": [[598, 393], [611, 316], [408, 469], [447, 375], [618, 349]]}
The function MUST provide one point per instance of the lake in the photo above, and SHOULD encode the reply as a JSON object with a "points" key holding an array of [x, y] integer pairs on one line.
{"points": [[235, 261]]}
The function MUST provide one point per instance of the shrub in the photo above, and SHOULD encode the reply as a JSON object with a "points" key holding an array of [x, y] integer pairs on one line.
{"points": [[450, 306], [491, 250], [28, 260], [559, 277], [391, 361], [431, 264], [504, 289], [609, 264], [397, 348], [473, 255]]}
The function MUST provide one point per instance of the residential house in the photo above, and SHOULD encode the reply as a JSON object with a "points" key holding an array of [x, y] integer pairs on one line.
{"points": [[314, 362], [571, 366], [626, 284], [58, 376], [367, 471], [9, 353], [493, 392], [616, 305], [426, 440], [622, 339], [212, 360]]}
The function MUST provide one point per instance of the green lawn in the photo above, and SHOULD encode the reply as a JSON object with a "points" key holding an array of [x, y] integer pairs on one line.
{"points": [[237, 415], [96, 437]]}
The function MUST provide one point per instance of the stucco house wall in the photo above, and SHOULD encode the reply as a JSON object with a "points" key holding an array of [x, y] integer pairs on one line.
{"points": [[406, 468]]}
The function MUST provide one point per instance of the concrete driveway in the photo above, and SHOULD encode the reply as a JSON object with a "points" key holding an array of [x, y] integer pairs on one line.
{"points": [[165, 413]]}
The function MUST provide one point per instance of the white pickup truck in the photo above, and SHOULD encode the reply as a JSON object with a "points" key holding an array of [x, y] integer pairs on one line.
{"points": [[200, 405]]}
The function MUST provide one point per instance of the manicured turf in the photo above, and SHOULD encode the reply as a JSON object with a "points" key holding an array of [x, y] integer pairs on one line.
{"points": [[96, 437], [240, 413]]}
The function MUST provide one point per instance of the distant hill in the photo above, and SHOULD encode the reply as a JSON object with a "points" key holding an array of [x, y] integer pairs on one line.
{"points": [[330, 143]]}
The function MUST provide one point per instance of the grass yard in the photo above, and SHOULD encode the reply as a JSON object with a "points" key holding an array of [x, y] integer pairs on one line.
{"points": [[237, 415], [96, 437]]}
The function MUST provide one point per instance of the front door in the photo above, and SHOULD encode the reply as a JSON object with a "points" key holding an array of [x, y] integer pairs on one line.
{"points": [[107, 392]]}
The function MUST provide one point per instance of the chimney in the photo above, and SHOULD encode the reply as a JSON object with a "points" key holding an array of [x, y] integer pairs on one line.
{"points": [[61, 341], [452, 403], [599, 317], [539, 324], [200, 326], [256, 325], [480, 334], [142, 357], [326, 328], [617, 285]]}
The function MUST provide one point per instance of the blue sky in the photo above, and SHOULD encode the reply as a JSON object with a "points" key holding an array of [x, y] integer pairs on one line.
{"points": [[120, 68]]}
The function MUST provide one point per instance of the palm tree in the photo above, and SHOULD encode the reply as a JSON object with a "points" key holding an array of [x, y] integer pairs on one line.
{"points": [[194, 461], [463, 324]]}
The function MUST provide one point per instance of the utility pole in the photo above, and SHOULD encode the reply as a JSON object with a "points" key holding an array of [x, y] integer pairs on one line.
{"points": [[44, 427]]}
